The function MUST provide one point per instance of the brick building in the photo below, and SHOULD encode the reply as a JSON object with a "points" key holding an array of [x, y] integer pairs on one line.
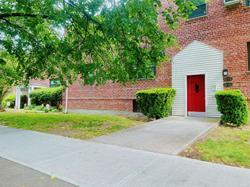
{"points": [[216, 39]]}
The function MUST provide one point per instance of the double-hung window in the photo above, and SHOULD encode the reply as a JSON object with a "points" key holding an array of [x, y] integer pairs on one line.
{"points": [[247, 2], [151, 73], [201, 9]]}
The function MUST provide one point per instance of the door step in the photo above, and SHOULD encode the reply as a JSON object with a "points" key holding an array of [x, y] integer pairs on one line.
{"points": [[197, 114]]}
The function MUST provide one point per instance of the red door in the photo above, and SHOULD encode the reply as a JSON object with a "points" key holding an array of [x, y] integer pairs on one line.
{"points": [[196, 93]]}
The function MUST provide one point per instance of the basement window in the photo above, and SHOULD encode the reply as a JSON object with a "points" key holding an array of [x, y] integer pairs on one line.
{"points": [[248, 50], [201, 9], [135, 107]]}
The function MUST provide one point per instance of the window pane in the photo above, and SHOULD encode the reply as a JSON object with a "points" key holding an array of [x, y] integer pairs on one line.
{"points": [[152, 72], [54, 83], [200, 11], [198, 2], [248, 2]]}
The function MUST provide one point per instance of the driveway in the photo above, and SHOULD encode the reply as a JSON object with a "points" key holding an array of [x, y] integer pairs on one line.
{"points": [[89, 163], [169, 136]]}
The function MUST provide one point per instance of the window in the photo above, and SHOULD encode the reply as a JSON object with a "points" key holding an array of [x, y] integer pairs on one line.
{"points": [[135, 107], [54, 83], [200, 11], [247, 2], [248, 50], [152, 69]]}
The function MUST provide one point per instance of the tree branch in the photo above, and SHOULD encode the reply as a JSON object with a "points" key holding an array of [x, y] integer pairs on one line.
{"points": [[8, 15], [87, 16]]}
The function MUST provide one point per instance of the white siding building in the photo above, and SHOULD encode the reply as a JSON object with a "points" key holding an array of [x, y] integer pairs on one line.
{"points": [[197, 59]]}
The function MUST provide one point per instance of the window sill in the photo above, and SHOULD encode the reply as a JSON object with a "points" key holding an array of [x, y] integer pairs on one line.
{"points": [[147, 79], [199, 17]]}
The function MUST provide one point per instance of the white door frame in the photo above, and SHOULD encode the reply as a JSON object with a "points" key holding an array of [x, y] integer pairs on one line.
{"points": [[192, 74]]}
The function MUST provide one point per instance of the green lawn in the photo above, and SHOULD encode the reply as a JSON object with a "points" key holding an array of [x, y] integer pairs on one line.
{"points": [[224, 145], [81, 126]]}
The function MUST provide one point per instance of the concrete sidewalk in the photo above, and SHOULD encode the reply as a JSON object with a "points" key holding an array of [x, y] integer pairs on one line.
{"points": [[169, 136], [16, 175], [86, 163]]}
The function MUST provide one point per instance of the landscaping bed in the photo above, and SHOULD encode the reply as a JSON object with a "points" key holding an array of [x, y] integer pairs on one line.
{"points": [[225, 145], [81, 126]]}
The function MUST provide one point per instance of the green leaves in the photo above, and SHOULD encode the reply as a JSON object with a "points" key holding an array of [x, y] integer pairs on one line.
{"points": [[233, 106], [155, 103], [177, 9], [52, 96], [2, 61], [95, 40]]}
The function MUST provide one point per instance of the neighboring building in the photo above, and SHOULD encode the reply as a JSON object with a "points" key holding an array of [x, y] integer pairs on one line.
{"points": [[216, 38], [26, 90], [33, 85]]}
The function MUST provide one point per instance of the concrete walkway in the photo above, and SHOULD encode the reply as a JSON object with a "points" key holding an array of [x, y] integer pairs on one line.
{"points": [[87, 163], [169, 136], [16, 175]]}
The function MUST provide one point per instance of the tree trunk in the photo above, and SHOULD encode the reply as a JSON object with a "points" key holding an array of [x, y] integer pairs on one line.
{"points": [[1, 109], [3, 92]]}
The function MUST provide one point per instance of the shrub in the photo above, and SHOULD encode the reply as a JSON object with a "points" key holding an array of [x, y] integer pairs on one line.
{"points": [[11, 98], [51, 96], [41, 108], [155, 103], [233, 107]]}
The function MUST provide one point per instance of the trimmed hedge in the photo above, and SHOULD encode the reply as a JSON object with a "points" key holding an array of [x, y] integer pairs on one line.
{"points": [[51, 96], [233, 106], [155, 103], [11, 98]]}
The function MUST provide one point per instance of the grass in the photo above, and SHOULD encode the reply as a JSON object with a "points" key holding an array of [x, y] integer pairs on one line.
{"points": [[81, 126], [224, 145]]}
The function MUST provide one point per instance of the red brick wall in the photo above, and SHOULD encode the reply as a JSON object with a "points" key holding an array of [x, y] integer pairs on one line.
{"points": [[101, 104], [114, 96], [227, 29], [223, 28]]}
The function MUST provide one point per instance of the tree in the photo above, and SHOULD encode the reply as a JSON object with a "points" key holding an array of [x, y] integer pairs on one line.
{"points": [[98, 40], [8, 74]]}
